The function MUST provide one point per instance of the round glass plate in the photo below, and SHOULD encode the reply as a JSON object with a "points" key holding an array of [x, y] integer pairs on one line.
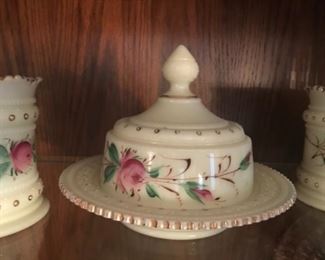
{"points": [[272, 195]]}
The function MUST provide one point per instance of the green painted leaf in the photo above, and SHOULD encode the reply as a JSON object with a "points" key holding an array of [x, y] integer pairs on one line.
{"points": [[192, 185], [193, 195], [113, 154], [4, 167], [154, 173], [151, 191], [109, 172], [3, 152], [244, 164]]}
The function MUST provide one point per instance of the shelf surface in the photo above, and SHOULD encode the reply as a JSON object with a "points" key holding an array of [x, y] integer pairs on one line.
{"points": [[71, 233]]}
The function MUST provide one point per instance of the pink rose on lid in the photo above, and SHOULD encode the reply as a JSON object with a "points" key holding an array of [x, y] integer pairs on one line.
{"points": [[130, 175], [21, 156]]}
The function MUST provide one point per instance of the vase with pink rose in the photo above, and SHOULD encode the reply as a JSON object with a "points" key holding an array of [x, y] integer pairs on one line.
{"points": [[21, 200]]}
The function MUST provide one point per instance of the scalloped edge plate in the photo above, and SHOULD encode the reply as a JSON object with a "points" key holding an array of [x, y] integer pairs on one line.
{"points": [[272, 195]]}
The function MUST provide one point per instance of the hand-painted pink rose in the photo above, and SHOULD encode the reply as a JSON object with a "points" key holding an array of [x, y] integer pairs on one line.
{"points": [[21, 156], [126, 155], [203, 194], [130, 175]]}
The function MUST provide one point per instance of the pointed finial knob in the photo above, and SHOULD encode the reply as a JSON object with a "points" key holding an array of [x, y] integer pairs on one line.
{"points": [[180, 70]]}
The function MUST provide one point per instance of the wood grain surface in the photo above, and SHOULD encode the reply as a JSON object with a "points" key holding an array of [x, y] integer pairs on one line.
{"points": [[70, 233], [101, 60]]}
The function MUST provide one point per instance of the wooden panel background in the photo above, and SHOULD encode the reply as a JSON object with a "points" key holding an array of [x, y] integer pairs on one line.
{"points": [[101, 60]]}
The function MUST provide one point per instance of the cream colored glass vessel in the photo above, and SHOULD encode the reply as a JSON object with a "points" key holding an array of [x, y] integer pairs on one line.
{"points": [[21, 200], [311, 173], [177, 154], [177, 171]]}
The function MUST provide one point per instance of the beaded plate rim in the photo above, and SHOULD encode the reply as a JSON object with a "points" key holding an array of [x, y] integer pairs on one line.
{"points": [[124, 214]]}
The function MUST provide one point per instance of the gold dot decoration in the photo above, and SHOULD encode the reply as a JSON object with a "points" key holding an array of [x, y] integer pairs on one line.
{"points": [[30, 197], [26, 116], [157, 131], [139, 128], [16, 203], [12, 117], [316, 184]]}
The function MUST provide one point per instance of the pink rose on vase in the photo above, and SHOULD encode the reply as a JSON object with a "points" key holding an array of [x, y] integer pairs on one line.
{"points": [[21, 156], [203, 194], [126, 155], [130, 175]]}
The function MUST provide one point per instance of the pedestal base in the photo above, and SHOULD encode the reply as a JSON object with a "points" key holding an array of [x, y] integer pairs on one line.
{"points": [[311, 188], [310, 197], [174, 234], [25, 218]]}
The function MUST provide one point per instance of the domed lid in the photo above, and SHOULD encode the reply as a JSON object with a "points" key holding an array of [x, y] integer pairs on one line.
{"points": [[178, 118]]}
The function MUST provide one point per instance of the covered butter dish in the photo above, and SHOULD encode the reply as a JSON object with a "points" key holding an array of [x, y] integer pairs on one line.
{"points": [[178, 171], [177, 154]]}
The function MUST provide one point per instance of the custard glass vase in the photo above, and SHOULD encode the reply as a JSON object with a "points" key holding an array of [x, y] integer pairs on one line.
{"points": [[21, 200], [311, 172]]}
